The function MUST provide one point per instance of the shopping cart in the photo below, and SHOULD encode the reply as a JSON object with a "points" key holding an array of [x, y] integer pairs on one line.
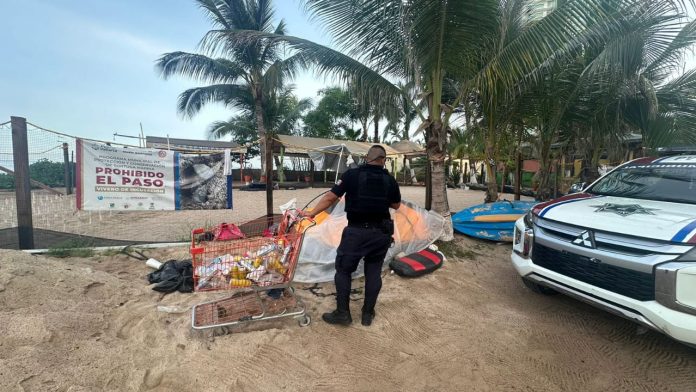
{"points": [[257, 268]]}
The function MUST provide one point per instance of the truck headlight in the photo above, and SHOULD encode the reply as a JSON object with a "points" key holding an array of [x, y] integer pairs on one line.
{"points": [[524, 237], [675, 283], [529, 220]]}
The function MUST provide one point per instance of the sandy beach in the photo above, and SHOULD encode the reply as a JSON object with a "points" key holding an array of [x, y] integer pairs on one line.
{"points": [[58, 213], [92, 324]]}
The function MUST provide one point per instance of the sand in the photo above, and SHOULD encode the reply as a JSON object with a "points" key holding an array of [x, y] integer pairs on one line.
{"points": [[92, 324], [58, 213]]}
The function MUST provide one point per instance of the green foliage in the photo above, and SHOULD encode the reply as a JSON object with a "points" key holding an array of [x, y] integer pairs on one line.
{"points": [[77, 247], [334, 115], [44, 171], [6, 181], [281, 114], [453, 177], [47, 172]]}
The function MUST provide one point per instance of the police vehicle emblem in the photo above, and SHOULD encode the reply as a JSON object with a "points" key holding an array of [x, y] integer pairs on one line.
{"points": [[585, 239], [624, 209]]}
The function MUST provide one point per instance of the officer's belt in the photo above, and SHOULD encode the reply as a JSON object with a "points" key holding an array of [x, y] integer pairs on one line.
{"points": [[366, 225]]}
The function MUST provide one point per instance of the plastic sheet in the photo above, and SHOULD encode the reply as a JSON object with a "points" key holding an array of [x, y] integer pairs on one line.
{"points": [[414, 229]]}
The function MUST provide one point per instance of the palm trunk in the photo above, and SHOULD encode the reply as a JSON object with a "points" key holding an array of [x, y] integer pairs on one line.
{"points": [[593, 172], [364, 136], [279, 168], [266, 155], [489, 163], [544, 190], [436, 159], [376, 139]]}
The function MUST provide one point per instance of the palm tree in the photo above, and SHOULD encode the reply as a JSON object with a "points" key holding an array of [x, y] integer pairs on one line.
{"points": [[623, 82], [430, 42], [282, 114], [407, 111], [249, 74]]}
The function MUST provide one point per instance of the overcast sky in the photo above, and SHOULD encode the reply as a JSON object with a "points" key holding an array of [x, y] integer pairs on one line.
{"points": [[86, 67]]}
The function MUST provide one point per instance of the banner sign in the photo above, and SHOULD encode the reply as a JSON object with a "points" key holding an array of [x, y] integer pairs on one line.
{"points": [[116, 178]]}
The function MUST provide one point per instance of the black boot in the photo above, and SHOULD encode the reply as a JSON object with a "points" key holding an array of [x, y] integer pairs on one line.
{"points": [[340, 317], [367, 317]]}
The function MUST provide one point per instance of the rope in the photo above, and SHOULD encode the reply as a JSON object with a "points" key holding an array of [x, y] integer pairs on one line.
{"points": [[49, 150], [5, 123], [184, 151], [83, 138]]}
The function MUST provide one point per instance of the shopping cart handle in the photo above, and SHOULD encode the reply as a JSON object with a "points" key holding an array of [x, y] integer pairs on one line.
{"points": [[194, 234]]}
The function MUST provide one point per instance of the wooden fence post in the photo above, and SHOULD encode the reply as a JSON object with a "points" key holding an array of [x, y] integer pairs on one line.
{"points": [[311, 173], [518, 176], [66, 166], [20, 149], [428, 185]]}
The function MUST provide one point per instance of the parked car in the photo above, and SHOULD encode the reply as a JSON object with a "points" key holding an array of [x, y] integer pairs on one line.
{"points": [[626, 243]]}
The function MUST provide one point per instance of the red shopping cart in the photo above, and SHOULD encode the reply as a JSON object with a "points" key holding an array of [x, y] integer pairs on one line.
{"points": [[257, 267]]}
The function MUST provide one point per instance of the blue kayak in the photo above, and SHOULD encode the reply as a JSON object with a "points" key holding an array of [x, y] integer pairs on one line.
{"points": [[492, 221]]}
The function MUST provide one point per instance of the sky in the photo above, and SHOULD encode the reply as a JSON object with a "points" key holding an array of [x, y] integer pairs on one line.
{"points": [[86, 67]]}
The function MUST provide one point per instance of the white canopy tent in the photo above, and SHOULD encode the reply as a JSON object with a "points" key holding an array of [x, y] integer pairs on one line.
{"points": [[336, 157]]}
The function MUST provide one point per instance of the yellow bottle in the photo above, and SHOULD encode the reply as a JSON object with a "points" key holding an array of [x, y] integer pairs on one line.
{"points": [[240, 283]]}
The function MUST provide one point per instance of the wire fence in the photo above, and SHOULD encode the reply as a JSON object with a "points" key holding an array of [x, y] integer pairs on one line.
{"points": [[58, 223]]}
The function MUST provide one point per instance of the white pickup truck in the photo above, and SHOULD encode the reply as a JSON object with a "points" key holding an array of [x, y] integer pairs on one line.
{"points": [[626, 244]]}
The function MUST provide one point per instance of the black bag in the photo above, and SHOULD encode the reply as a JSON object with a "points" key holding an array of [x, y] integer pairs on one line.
{"points": [[417, 264], [172, 276]]}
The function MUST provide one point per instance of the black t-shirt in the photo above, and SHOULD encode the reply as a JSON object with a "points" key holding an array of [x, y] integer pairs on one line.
{"points": [[357, 209]]}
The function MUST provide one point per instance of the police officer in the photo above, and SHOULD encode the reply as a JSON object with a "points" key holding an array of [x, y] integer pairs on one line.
{"points": [[370, 192]]}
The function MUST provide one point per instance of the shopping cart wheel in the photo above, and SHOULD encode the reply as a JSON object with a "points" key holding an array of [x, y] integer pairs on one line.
{"points": [[304, 321]]}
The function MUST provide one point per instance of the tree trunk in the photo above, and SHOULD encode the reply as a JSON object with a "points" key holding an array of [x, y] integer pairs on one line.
{"points": [[269, 176], [279, 168], [436, 159], [266, 155], [365, 131], [376, 128], [593, 170], [489, 163], [503, 178], [544, 189], [518, 176]]}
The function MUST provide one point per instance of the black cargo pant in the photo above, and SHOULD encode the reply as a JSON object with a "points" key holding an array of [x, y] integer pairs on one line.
{"points": [[370, 243]]}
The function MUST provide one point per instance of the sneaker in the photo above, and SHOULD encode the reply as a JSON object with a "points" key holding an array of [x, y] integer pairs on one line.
{"points": [[340, 317], [367, 318]]}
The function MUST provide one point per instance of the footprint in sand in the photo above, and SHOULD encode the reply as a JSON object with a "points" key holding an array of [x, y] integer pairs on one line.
{"points": [[153, 378], [126, 330], [95, 291]]}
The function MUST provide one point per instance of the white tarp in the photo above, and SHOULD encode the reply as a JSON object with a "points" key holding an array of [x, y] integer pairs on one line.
{"points": [[336, 158], [414, 229]]}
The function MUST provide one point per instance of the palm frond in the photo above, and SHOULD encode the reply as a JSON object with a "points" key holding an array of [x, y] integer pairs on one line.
{"points": [[192, 100], [324, 60], [198, 67]]}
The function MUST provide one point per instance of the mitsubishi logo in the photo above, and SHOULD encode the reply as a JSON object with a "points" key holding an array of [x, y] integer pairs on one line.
{"points": [[586, 239]]}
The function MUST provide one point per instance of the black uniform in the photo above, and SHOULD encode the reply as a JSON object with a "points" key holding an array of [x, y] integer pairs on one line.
{"points": [[369, 191]]}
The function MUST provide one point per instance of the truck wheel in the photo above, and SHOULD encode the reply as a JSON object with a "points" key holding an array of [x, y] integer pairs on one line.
{"points": [[537, 288]]}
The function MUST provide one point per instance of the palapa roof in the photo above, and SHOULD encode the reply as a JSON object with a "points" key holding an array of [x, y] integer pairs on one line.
{"points": [[408, 148], [300, 145]]}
